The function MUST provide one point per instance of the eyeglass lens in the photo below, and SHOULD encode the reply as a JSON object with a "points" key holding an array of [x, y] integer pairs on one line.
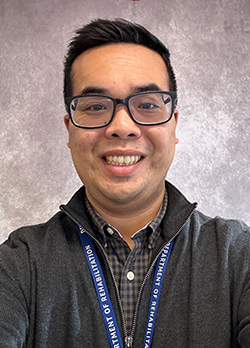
{"points": [[97, 111]]}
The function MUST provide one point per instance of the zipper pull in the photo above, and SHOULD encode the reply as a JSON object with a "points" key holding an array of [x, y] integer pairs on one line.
{"points": [[128, 341]]}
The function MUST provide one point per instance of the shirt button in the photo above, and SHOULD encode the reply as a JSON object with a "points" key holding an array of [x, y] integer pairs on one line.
{"points": [[130, 275], [109, 230]]}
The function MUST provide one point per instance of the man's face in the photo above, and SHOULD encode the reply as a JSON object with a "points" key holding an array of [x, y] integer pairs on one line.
{"points": [[119, 70]]}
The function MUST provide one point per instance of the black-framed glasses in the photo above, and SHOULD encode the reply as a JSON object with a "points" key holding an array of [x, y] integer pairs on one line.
{"points": [[97, 111]]}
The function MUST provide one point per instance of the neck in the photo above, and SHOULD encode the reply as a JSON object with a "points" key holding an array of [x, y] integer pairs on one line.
{"points": [[129, 221]]}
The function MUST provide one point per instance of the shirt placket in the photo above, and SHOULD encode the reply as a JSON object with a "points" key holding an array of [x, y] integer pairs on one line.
{"points": [[132, 275]]}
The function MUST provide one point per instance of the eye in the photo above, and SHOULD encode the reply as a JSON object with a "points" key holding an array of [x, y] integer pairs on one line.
{"points": [[147, 106], [85, 106], [95, 107]]}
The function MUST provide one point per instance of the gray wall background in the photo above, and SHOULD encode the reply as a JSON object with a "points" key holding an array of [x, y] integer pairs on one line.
{"points": [[210, 45]]}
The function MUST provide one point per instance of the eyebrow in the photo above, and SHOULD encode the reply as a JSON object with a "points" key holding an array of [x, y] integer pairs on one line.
{"points": [[94, 90], [104, 91], [152, 87]]}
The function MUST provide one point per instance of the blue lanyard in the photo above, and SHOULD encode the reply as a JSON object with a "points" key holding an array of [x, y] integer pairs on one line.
{"points": [[155, 294], [103, 295]]}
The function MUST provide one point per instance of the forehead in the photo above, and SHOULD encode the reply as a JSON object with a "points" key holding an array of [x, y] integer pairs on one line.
{"points": [[123, 65]]}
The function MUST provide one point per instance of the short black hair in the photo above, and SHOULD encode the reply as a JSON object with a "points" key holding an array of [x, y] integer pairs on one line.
{"points": [[102, 32]]}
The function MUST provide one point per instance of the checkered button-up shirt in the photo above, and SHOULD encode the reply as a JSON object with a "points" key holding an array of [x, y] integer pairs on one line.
{"points": [[129, 266]]}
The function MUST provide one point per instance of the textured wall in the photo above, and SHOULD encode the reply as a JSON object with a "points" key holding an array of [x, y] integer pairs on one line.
{"points": [[210, 45]]}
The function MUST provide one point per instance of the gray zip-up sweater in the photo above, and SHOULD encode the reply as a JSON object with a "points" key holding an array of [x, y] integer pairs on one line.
{"points": [[47, 297]]}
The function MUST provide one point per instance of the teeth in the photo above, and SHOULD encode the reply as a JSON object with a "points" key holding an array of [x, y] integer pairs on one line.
{"points": [[122, 160]]}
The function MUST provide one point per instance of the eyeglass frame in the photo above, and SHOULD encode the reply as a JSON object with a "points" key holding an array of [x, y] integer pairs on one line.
{"points": [[124, 101]]}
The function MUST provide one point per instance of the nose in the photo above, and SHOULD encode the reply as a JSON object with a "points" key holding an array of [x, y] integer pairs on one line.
{"points": [[122, 125]]}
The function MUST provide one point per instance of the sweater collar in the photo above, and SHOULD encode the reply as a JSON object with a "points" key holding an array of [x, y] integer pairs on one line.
{"points": [[178, 211]]}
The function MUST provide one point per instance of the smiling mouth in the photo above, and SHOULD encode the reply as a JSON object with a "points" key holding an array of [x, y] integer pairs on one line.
{"points": [[122, 160]]}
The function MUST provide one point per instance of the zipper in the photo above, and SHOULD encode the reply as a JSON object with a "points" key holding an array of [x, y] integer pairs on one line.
{"points": [[147, 275], [128, 341], [129, 338]]}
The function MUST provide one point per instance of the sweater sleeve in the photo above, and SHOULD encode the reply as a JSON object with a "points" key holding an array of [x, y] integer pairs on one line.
{"points": [[244, 303], [244, 315], [14, 293]]}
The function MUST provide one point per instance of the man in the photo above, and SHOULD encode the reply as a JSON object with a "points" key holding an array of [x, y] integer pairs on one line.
{"points": [[128, 261]]}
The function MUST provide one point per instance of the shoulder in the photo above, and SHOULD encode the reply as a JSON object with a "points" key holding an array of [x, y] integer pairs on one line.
{"points": [[37, 241], [229, 228], [227, 237], [34, 233], [55, 237]]}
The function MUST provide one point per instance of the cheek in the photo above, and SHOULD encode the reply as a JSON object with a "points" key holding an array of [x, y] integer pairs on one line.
{"points": [[80, 140], [163, 139], [163, 142]]}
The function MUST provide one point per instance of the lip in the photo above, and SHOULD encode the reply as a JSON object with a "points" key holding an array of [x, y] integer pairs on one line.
{"points": [[122, 152], [122, 170], [122, 160]]}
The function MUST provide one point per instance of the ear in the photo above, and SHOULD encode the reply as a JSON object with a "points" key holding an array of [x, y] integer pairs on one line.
{"points": [[176, 117], [66, 121]]}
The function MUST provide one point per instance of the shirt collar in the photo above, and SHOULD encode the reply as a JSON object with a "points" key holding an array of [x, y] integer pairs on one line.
{"points": [[153, 226]]}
